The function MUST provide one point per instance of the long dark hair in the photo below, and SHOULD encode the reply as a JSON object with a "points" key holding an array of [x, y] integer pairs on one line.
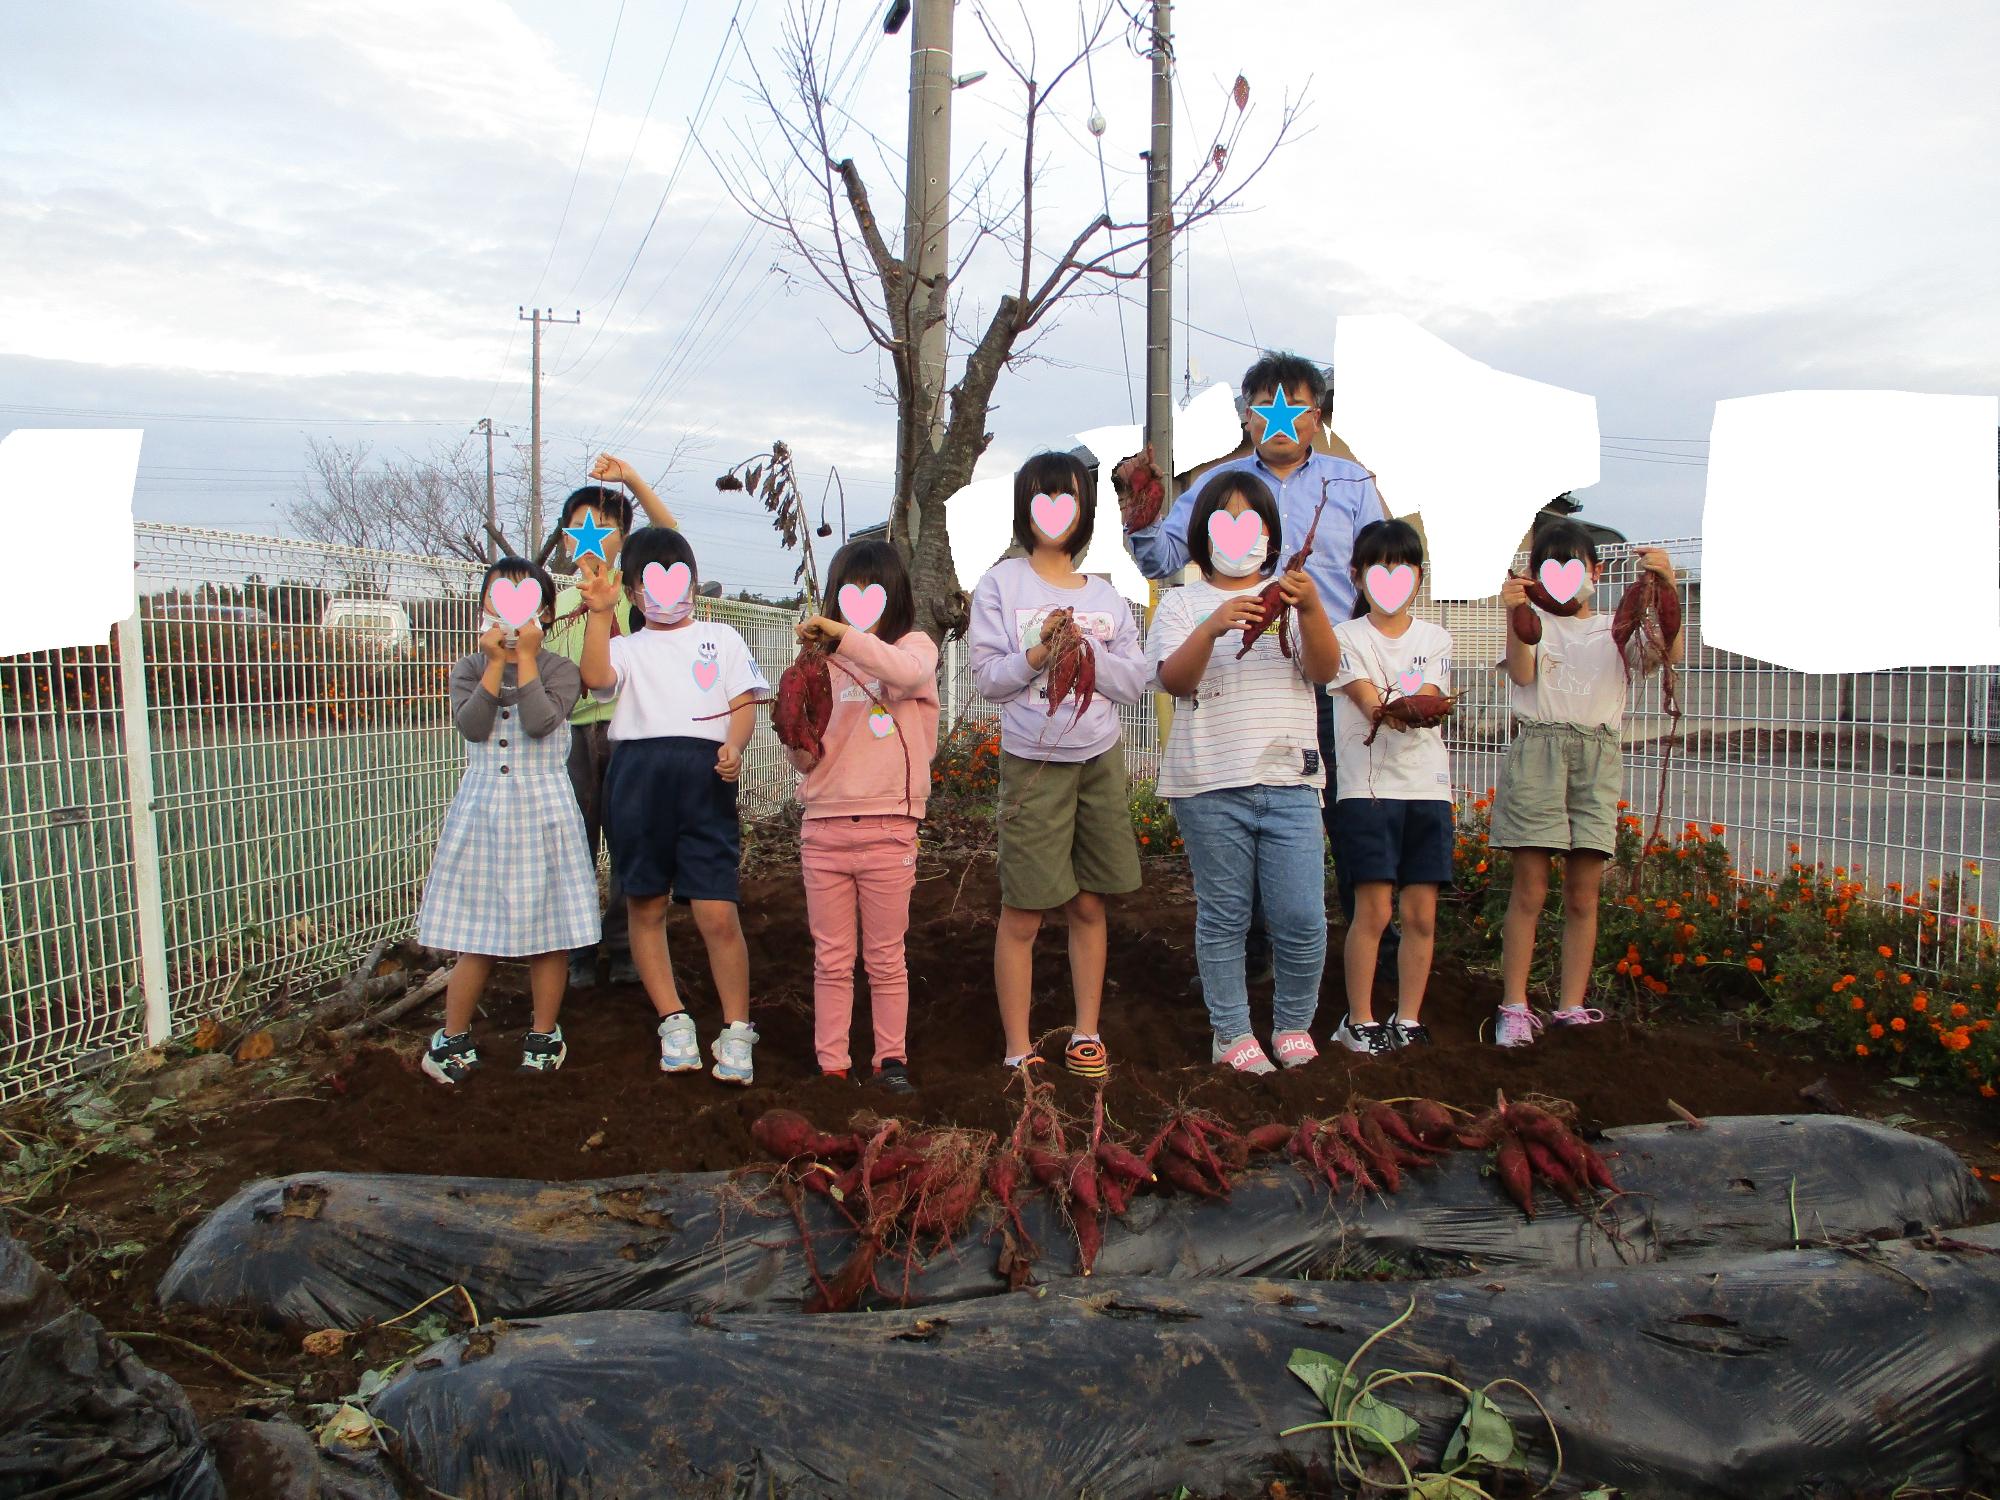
{"points": [[863, 563], [518, 568], [1218, 492], [1055, 474], [1386, 543]]}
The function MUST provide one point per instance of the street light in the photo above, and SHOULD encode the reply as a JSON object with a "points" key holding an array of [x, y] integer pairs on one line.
{"points": [[967, 80], [899, 12]]}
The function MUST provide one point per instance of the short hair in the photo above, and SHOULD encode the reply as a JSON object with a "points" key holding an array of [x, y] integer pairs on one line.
{"points": [[602, 499], [1387, 544], [865, 562], [1218, 491], [1279, 370], [518, 568], [656, 544], [1055, 474], [1560, 541]]}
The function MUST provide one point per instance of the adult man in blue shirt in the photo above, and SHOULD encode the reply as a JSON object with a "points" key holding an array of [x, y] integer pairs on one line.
{"points": [[1286, 401]]}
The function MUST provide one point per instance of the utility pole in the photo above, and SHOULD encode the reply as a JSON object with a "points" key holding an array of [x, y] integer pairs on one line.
{"points": [[538, 316], [926, 199], [1159, 253], [485, 425]]}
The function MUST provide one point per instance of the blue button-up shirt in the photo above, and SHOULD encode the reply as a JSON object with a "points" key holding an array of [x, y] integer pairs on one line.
{"points": [[1161, 551]]}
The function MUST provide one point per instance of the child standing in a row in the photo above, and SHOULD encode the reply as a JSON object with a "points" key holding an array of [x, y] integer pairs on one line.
{"points": [[512, 877], [687, 695], [1065, 805], [863, 799], [1242, 766]]}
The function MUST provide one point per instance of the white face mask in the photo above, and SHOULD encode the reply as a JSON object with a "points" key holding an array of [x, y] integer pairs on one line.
{"points": [[1244, 566], [1585, 589], [490, 621]]}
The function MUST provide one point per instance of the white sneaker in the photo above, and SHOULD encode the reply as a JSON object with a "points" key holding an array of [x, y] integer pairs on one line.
{"points": [[1370, 1037], [1581, 1015], [1515, 1026], [732, 1053], [1245, 1055], [680, 1048]]}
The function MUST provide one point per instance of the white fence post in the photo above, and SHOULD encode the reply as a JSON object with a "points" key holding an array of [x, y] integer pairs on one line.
{"points": [[951, 682], [145, 834]]}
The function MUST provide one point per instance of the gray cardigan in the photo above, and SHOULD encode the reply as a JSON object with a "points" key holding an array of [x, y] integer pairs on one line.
{"points": [[544, 706]]}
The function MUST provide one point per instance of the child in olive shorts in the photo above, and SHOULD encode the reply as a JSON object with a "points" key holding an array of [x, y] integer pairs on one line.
{"points": [[1065, 810], [1560, 786]]}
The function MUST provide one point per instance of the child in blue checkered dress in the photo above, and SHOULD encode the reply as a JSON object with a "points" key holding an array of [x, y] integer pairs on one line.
{"points": [[513, 876]]}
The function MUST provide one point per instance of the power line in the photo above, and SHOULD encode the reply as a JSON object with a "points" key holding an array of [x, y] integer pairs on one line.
{"points": [[174, 416], [582, 152]]}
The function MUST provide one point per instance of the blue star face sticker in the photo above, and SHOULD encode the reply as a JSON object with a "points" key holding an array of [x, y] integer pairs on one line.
{"points": [[1281, 416], [589, 538]]}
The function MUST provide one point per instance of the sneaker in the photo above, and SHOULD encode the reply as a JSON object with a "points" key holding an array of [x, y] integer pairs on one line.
{"points": [[1515, 1026], [680, 1048], [732, 1047], [582, 972], [623, 970], [449, 1059], [1087, 1058], [841, 1073], [1578, 1016], [1294, 1048], [1408, 1034], [1370, 1037], [1022, 1063], [894, 1075], [1245, 1055], [544, 1051]]}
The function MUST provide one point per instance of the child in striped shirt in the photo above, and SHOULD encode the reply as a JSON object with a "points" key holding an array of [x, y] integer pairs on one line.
{"points": [[1242, 765]]}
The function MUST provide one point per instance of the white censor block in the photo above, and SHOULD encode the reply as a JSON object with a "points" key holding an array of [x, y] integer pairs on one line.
{"points": [[1852, 531], [1476, 450], [74, 488]]}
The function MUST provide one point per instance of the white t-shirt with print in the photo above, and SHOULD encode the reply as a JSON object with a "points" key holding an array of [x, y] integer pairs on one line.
{"points": [[679, 682], [1579, 676], [1253, 722], [1411, 765]]}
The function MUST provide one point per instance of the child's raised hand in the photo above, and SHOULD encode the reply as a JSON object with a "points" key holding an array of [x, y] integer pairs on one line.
{"points": [[492, 644], [820, 626], [529, 641], [728, 762], [1514, 591], [1234, 613], [1300, 591], [600, 588], [610, 470], [1654, 560]]}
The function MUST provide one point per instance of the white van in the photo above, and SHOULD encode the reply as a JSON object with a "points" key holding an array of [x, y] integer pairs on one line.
{"points": [[380, 623]]}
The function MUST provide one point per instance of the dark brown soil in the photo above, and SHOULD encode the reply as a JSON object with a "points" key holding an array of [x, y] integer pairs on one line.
{"points": [[610, 1111]]}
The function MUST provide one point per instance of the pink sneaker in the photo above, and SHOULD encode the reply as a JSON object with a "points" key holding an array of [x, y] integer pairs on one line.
{"points": [[1245, 1055], [1294, 1048], [1515, 1026], [1581, 1015]]}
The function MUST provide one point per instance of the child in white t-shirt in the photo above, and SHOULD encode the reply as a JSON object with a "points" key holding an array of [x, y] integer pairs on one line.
{"points": [[1392, 824], [687, 695], [1558, 791], [1242, 765]]}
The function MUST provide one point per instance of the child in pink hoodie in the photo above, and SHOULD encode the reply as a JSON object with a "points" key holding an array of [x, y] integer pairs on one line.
{"points": [[863, 800]]}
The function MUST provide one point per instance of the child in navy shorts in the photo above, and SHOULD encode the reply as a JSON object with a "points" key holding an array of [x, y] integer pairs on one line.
{"points": [[687, 694], [1392, 823]]}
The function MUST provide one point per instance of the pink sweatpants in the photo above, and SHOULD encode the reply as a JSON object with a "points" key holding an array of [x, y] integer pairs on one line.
{"points": [[872, 862]]}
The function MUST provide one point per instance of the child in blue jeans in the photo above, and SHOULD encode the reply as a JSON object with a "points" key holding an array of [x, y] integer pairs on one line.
{"points": [[1242, 766]]}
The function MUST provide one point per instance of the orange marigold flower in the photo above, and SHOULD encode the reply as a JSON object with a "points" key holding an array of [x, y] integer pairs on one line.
{"points": [[1886, 951], [1919, 1001], [1679, 959], [1623, 804], [1897, 1023], [1857, 1003], [1700, 959], [1756, 965], [1987, 1091], [1902, 979], [1480, 868], [1716, 829], [1860, 1049], [1875, 1030], [1959, 1009]]}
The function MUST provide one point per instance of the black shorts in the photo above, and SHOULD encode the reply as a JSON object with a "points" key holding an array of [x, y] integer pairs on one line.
{"points": [[671, 821], [1409, 843]]}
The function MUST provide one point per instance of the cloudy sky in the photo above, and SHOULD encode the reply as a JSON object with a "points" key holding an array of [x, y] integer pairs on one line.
{"points": [[245, 225]]}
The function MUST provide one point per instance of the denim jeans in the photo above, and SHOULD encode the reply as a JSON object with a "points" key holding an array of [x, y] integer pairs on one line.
{"points": [[1267, 840]]}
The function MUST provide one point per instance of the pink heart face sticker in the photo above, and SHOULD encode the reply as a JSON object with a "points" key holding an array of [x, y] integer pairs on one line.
{"points": [[516, 600], [705, 672], [1233, 536], [879, 723], [1410, 683], [1390, 588], [666, 587], [1562, 580], [861, 608], [1053, 515]]}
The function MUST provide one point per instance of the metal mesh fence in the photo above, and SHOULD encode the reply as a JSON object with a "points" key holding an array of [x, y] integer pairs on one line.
{"points": [[280, 709]]}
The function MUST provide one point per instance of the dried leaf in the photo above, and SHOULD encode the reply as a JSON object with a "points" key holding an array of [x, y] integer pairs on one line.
{"points": [[750, 479], [324, 1343], [596, 1140], [207, 1036], [1240, 92], [255, 1047]]}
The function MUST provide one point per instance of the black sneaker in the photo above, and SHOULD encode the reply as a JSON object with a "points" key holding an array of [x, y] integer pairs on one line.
{"points": [[544, 1051], [894, 1076], [583, 971], [1371, 1038], [623, 970], [1408, 1034], [450, 1059]]}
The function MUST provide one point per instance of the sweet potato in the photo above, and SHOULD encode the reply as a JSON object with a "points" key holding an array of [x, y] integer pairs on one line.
{"points": [[1510, 1161], [1271, 606], [1412, 711], [1185, 1175], [788, 1135], [1268, 1138], [1434, 1124], [1120, 1163]]}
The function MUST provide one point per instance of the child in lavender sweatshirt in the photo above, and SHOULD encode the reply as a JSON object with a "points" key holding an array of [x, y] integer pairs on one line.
{"points": [[1065, 810], [863, 798]]}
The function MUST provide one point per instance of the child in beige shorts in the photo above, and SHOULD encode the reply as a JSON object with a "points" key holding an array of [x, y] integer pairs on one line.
{"points": [[1559, 788]]}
